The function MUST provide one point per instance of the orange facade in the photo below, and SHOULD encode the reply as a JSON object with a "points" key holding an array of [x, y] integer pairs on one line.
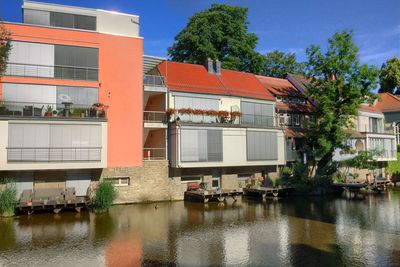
{"points": [[120, 83]]}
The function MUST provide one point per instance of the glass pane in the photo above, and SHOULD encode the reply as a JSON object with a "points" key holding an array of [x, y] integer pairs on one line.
{"points": [[85, 22]]}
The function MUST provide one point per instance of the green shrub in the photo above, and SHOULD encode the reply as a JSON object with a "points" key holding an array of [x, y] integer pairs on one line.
{"points": [[104, 197], [393, 167], [8, 197]]}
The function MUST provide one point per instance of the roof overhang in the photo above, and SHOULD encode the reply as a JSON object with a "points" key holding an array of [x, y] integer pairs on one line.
{"points": [[150, 62]]}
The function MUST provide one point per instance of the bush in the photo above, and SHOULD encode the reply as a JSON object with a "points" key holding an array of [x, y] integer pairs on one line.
{"points": [[8, 197], [104, 197]]}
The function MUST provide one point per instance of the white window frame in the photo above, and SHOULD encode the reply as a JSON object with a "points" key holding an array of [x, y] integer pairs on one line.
{"points": [[199, 180], [119, 179], [296, 119]]}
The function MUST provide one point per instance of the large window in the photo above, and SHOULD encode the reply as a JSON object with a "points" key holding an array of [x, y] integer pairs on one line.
{"points": [[53, 61], [201, 145], [77, 63], [57, 19], [24, 94], [50, 142], [257, 114], [261, 145], [196, 103]]}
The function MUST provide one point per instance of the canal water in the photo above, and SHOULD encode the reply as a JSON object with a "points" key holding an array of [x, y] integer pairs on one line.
{"points": [[276, 232]]}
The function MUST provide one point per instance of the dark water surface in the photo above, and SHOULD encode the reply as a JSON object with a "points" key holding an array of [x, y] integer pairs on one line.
{"points": [[284, 232]]}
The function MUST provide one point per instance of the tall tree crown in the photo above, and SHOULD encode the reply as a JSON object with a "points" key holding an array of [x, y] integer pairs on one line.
{"points": [[220, 32]]}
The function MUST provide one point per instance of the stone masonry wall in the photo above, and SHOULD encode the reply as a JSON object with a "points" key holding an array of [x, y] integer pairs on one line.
{"points": [[147, 184]]}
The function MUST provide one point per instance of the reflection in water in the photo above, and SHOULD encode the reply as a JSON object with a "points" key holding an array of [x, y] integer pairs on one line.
{"points": [[287, 232]]}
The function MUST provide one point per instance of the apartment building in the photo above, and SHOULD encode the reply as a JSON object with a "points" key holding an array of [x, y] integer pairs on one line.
{"points": [[71, 99], [222, 127], [390, 106], [294, 112]]}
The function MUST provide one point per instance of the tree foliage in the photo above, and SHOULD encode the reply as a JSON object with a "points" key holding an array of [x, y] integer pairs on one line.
{"points": [[339, 85], [220, 32], [5, 47], [390, 76], [278, 64], [104, 197]]}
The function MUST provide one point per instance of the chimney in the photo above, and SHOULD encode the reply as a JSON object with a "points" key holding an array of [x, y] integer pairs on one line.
{"points": [[209, 66], [217, 67]]}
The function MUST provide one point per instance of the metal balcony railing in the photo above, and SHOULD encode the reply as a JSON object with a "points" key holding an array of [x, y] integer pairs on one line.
{"points": [[153, 80], [257, 120], [154, 116], [57, 72], [152, 153], [45, 110], [53, 154]]}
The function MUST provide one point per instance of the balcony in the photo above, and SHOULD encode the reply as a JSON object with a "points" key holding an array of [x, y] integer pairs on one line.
{"points": [[155, 119], [154, 83], [56, 72], [152, 153], [221, 117], [53, 154], [64, 110]]}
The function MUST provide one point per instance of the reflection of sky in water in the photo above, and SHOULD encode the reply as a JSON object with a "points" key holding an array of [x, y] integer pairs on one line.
{"points": [[287, 232]]}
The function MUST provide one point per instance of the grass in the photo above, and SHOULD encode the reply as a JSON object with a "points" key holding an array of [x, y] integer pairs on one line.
{"points": [[8, 197], [104, 197]]}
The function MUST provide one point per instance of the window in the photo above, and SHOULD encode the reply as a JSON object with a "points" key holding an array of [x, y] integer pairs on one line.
{"points": [[257, 114], [54, 142], [77, 63], [190, 179], [296, 119], [262, 145], [58, 19], [196, 103], [119, 181], [375, 125], [285, 119], [201, 145]]}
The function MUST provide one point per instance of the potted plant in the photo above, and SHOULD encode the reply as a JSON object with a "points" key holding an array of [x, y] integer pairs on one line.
{"points": [[49, 111]]}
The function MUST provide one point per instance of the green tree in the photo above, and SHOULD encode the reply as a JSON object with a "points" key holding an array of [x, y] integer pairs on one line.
{"points": [[5, 46], [278, 64], [339, 85], [390, 76], [220, 32]]}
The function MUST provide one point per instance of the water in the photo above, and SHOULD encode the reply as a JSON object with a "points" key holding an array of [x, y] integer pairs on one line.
{"points": [[284, 232]]}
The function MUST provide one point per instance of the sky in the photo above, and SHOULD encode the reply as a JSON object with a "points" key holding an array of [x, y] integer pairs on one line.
{"points": [[285, 25]]}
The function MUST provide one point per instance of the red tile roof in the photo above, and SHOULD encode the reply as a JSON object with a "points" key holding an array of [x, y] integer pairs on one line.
{"points": [[279, 87], [388, 102], [370, 109], [282, 87], [295, 132], [294, 107], [196, 79]]}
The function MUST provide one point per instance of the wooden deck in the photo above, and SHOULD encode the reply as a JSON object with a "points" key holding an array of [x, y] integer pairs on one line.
{"points": [[206, 196], [263, 192], [53, 200]]}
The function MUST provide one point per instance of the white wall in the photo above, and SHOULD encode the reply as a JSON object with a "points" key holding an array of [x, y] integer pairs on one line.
{"points": [[234, 150], [9, 166], [117, 23]]}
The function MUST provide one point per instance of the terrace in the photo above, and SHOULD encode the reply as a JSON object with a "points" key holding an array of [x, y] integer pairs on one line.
{"points": [[64, 110]]}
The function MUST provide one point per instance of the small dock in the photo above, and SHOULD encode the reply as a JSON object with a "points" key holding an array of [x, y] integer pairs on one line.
{"points": [[53, 200], [206, 196], [263, 192]]}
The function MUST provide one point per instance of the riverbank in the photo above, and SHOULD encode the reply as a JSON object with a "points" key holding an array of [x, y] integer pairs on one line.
{"points": [[294, 231]]}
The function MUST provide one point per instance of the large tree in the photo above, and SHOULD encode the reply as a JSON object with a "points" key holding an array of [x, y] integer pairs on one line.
{"points": [[278, 64], [5, 46], [220, 32], [339, 85], [390, 76]]}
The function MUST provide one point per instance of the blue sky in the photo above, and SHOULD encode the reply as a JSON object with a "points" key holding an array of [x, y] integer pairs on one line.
{"points": [[287, 25]]}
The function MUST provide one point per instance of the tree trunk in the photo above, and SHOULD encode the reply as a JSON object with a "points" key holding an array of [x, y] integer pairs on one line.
{"points": [[324, 162]]}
